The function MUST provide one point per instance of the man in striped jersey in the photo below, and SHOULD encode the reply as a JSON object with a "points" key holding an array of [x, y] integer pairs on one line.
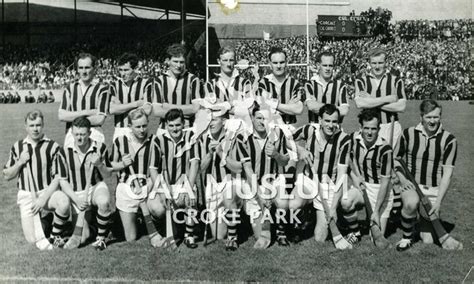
{"points": [[325, 89], [228, 85], [220, 178], [37, 162], [176, 88], [380, 89], [285, 90], [180, 166], [83, 157], [373, 159], [84, 98], [268, 152], [430, 154], [325, 154], [128, 93], [135, 149]]}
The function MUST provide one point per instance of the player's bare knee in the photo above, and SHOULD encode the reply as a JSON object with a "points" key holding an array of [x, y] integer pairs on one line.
{"points": [[103, 203], [347, 204], [410, 206], [63, 204]]}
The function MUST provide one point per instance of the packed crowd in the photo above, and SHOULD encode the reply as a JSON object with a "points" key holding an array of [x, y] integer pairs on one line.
{"points": [[429, 67], [51, 66], [459, 29]]}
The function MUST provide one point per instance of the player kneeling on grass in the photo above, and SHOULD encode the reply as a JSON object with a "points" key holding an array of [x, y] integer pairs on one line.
{"points": [[88, 165], [325, 157], [372, 159], [38, 163], [180, 168], [429, 153], [134, 156]]}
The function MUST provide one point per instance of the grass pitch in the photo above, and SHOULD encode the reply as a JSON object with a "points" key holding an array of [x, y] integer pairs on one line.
{"points": [[307, 261]]}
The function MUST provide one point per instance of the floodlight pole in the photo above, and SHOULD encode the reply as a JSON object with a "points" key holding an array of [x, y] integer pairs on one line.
{"points": [[3, 22], [28, 22], [182, 21]]}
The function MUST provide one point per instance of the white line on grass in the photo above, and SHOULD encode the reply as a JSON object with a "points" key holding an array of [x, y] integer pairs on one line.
{"points": [[464, 280], [84, 280]]}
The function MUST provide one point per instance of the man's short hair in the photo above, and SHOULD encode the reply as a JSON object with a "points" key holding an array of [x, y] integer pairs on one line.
{"points": [[255, 108], [34, 114], [127, 57], [376, 52], [176, 50], [174, 114], [136, 114], [329, 109], [428, 106], [325, 53], [84, 55], [368, 114], [225, 49], [81, 122], [276, 49]]}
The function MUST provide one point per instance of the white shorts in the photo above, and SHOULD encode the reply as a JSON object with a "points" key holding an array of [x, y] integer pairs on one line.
{"points": [[215, 194], [430, 191], [385, 132], [121, 131], [96, 135], [372, 190], [326, 190], [82, 193], [125, 202], [25, 203]]}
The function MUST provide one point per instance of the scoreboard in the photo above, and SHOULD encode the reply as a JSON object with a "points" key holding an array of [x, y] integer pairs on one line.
{"points": [[341, 26]]}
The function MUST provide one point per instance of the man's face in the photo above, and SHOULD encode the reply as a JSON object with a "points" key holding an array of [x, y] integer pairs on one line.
{"points": [[175, 128], [34, 128], [370, 131], [377, 63], [330, 123], [81, 135], [227, 62], [431, 120], [259, 123], [177, 65], [85, 70], [127, 73], [139, 127], [278, 64], [326, 67], [216, 125]]}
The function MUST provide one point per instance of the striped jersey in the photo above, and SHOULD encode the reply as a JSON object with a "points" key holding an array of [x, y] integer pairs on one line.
{"points": [[334, 92], [95, 96], [372, 163], [289, 89], [178, 91], [262, 164], [144, 155], [228, 92], [78, 164], [140, 89], [425, 156], [388, 85], [327, 154], [46, 163], [215, 169], [168, 148]]}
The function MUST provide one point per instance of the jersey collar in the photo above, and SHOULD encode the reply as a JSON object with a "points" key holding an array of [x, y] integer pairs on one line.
{"points": [[30, 141], [378, 142], [419, 127]]}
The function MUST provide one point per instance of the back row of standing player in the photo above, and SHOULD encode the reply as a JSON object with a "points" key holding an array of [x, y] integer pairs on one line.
{"points": [[326, 152]]}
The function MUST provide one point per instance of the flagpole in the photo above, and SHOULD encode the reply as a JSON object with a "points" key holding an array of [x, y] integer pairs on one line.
{"points": [[207, 40], [307, 39]]}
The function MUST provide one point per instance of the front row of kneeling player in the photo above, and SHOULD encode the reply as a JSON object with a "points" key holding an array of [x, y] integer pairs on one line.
{"points": [[157, 173]]}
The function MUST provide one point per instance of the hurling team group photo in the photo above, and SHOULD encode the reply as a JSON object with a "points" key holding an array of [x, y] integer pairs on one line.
{"points": [[237, 141]]}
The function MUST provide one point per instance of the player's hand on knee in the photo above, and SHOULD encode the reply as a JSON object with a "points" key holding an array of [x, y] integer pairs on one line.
{"points": [[407, 185], [435, 209], [306, 156], [82, 203], [38, 205]]}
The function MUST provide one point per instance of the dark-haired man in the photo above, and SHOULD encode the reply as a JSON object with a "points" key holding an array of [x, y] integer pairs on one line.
{"points": [[129, 92], [84, 98]]}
